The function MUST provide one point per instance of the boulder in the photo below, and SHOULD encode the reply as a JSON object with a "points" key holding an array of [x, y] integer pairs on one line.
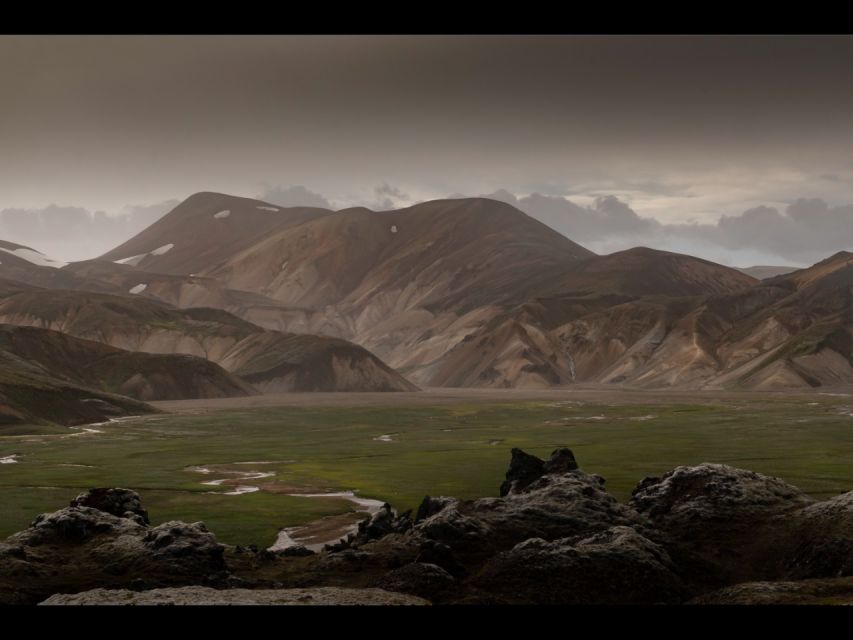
{"points": [[724, 525], [615, 566], [123, 503], [554, 505], [81, 547]]}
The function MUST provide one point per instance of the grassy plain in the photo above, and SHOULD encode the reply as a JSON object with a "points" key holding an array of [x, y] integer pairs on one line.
{"points": [[453, 444]]}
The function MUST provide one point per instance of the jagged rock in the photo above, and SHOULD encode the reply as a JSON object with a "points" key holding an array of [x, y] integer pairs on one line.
{"points": [[421, 579], [523, 469], [562, 460], [123, 503], [552, 506], [616, 566], [80, 547], [430, 506], [383, 522], [207, 597]]}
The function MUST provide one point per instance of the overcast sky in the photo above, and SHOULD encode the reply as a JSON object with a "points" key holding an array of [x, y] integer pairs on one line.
{"points": [[680, 130]]}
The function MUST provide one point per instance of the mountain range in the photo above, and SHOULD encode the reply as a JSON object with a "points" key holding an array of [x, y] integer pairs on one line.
{"points": [[467, 292]]}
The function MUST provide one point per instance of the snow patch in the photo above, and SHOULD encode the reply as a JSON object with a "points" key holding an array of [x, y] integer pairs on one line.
{"points": [[166, 248], [9, 459], [393, 228], [35, 257], [384, 438], [269, 209], [138, 288], [132, 260], [222, 214]]}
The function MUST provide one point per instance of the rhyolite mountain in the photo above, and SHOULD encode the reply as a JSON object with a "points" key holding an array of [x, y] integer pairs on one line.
{"points": [[472, 292], [267, 360]]}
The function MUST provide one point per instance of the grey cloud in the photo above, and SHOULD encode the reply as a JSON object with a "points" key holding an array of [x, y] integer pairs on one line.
{"points": [[387, 197], [606, 218], [294, 196], [806, 232]]}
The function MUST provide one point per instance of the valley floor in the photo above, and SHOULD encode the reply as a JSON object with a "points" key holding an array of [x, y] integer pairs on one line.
{"points": [[250, 466]]}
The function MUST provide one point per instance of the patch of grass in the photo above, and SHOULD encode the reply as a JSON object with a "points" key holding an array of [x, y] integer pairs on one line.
{"points": [[443, 450]]}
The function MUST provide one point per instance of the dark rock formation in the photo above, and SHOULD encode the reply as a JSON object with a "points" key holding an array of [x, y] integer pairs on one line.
{"points": [[551, 506], [616, 566], [123, 503], [708, 533], [724, 525], [382, 523], [82, 547], [523, 469]]}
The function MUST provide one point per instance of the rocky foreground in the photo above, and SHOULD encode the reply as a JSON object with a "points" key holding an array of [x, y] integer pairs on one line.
{"points": [[709, 534]]}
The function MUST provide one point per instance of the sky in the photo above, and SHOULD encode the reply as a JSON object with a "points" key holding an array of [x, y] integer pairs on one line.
{"points": [[733, 148]]}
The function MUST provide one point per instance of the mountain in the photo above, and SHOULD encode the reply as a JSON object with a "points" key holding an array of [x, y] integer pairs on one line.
{"points": [[269, 360], [607, 306], [763, 272], [792, 331], [456, 292], [206, 229]]}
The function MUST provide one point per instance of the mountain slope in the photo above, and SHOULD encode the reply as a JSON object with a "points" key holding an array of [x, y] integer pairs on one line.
{"points": [[205, 229], [274, 360], [142, 376]]}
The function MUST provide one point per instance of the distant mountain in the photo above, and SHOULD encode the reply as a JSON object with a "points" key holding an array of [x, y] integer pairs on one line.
{"points": [[763, 272]]}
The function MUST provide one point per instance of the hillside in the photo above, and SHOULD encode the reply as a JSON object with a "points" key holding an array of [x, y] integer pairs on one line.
{"points": [[269, 360], [204, 230], [142, 376]]}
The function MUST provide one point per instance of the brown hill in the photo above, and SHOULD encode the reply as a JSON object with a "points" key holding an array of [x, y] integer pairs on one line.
{"points": [[142, 376], [272, 360]]}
